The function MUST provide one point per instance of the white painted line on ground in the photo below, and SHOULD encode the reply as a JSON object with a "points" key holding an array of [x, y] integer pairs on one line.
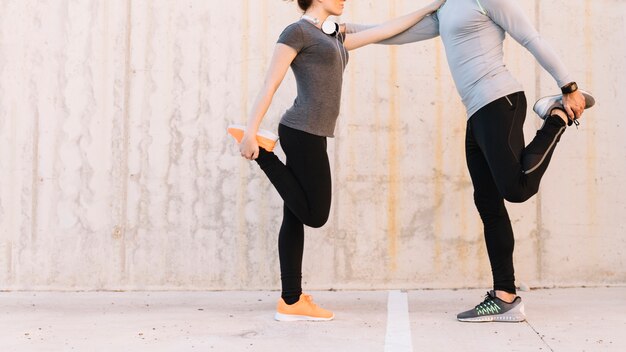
{"points": [[398, 337]]}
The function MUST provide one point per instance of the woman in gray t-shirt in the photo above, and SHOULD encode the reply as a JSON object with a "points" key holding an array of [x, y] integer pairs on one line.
{"points": [[317, 52]]}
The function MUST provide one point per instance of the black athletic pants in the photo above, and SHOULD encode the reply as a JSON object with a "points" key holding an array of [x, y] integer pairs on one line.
{"points": [[497, 160], [304, 183]]}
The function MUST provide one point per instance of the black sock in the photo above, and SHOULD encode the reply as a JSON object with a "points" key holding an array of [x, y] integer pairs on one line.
{"points": [[569, 121]]}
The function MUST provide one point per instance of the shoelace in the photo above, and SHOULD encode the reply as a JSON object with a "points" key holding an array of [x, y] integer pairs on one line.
{"points": [[486, 302], [309, 299], [488, 306]]}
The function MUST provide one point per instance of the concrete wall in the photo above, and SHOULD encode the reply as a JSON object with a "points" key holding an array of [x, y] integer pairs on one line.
{"points": [[116, 171]]}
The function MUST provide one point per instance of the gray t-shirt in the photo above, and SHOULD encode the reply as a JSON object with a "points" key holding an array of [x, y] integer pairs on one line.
{"points": [[472, 32], [318, 69]]}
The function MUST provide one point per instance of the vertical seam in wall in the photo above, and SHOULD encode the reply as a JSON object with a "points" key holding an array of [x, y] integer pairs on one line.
{"points": [[438, 167], [591, 154], [392, 210], [539, 219], [125, 139], [35, 170], [242, 240], [34, 179], [335, 180]]}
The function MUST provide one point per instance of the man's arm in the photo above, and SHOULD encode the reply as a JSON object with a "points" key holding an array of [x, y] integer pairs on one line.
{"points": [[508, 15], [425, 29]]}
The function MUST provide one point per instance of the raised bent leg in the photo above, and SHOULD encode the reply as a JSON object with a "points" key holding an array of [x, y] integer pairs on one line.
{"points": [[517, 169], [304, 182]]}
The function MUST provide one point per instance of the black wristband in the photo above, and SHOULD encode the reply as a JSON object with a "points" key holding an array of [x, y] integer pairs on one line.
{"points": [[569, 88]]}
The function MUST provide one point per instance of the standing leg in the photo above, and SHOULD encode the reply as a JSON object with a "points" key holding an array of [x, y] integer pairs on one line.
{"points": [[497, 225], [498, 238], [290, 250]]}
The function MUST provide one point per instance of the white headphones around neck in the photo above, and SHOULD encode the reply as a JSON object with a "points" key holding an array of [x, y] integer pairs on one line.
{"points": [[331, 28], [328, 27]]}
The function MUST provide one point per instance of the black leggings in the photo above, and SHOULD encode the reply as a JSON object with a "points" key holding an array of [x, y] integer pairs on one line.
{"points": [[304, 183], [502, 168]]}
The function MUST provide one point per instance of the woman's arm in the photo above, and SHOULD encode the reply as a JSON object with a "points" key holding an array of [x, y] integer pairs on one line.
{"points": [[425, 29], [281, 60], [388, 29]]}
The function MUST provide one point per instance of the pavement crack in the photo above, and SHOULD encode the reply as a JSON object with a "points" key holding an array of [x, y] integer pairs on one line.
{"points": [[540, 336]]}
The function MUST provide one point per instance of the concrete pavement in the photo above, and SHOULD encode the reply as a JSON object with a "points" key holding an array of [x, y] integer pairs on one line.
{"points": [[579, 319]]}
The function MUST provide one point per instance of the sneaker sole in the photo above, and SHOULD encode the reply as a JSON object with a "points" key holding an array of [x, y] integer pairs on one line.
{"points": [[498, 319], [291, 317], [265, 139]]}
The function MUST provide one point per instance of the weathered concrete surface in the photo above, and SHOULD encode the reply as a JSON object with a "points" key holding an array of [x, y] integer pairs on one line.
{"points": [[116, 172], [558, 320]]}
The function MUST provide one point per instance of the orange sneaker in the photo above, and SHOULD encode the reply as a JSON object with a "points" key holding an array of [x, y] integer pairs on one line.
{"points": [[304, 309], [266, 139]]}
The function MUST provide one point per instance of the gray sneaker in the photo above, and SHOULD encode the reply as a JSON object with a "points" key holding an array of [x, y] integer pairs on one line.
{"points": [[544, 105], [495, 309]]}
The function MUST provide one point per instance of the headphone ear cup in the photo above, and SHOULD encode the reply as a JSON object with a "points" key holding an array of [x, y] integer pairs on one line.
{"points": [[331, 28]]}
